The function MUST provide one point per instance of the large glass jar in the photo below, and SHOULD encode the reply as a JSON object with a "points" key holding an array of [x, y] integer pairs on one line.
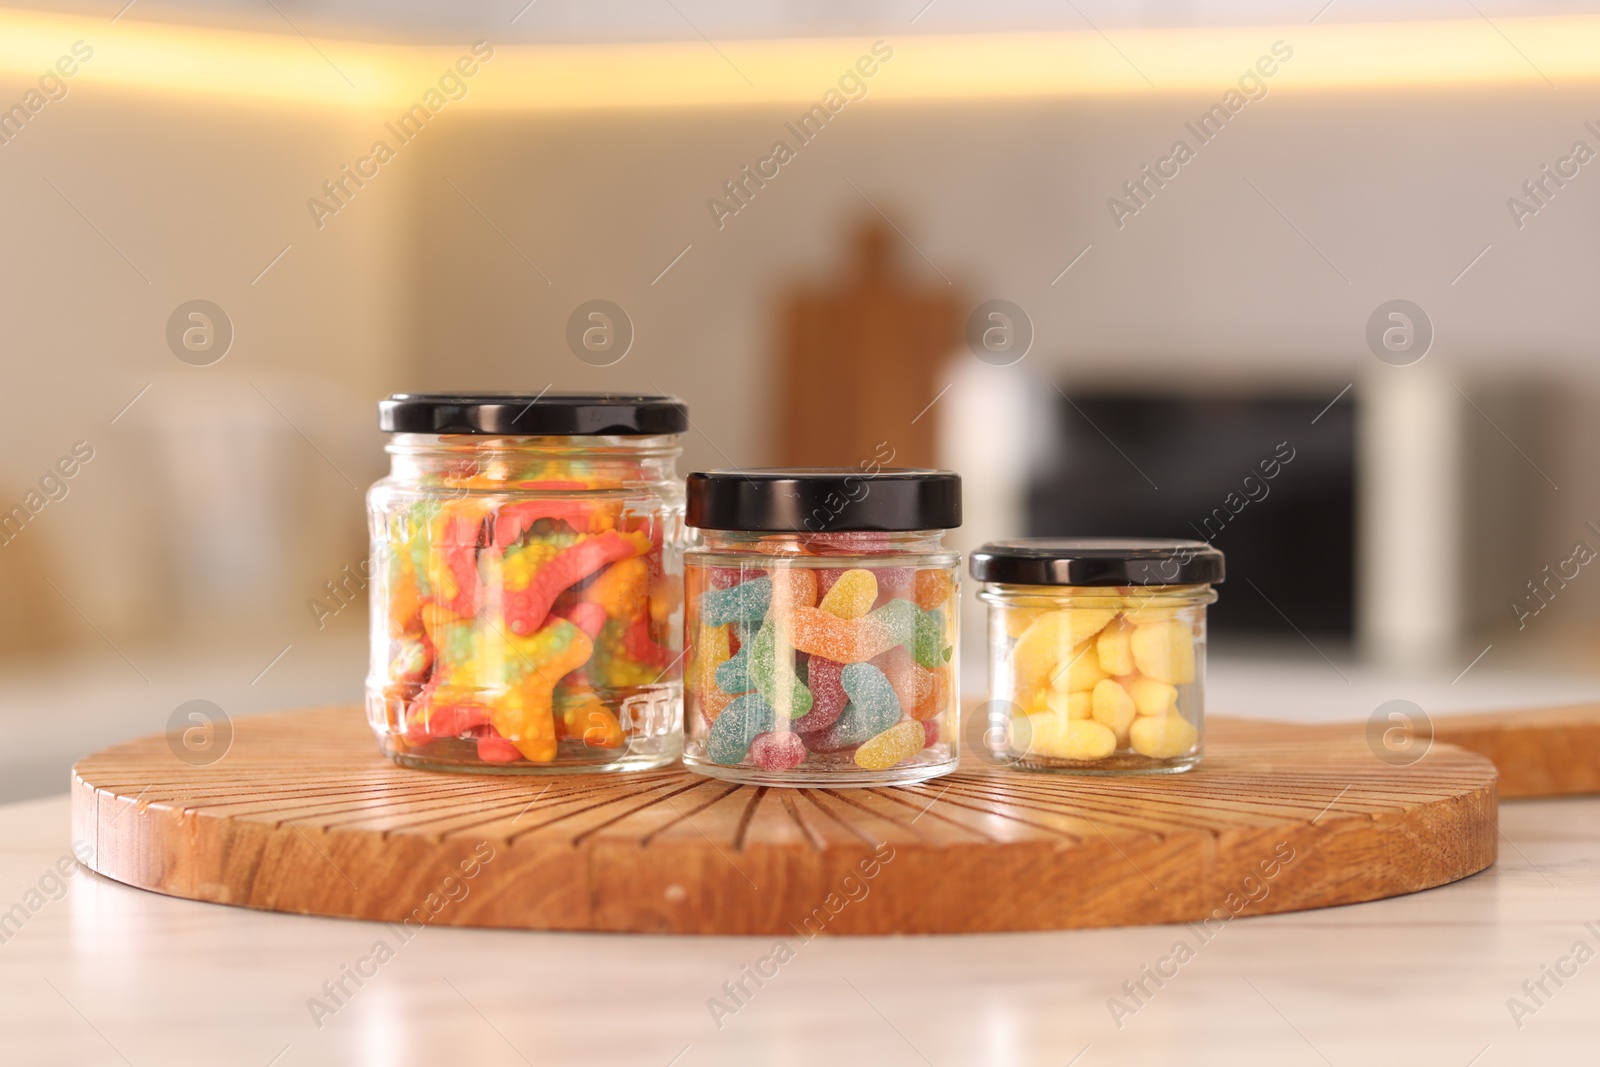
{"points": [[527, 583], [821, 626], [1097, 652]]}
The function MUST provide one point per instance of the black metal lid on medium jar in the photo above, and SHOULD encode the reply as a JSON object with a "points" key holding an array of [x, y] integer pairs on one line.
{"points": [[824, 500], [534, 415], [1097, 561]]}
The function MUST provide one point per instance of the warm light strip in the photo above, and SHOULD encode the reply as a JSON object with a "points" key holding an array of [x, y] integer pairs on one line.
{"points": [[212, 63]]}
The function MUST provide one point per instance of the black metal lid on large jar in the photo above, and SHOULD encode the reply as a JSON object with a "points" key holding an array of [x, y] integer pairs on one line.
{"points": [[534, 415], [824, 500], [1097, 561]]}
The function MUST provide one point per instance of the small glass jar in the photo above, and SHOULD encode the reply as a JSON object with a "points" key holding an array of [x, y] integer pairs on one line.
{"points": [[821, 626], [527, 583], [1097, 652]]}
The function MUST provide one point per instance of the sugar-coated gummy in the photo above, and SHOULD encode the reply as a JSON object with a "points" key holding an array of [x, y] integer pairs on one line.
{"points": [[793, 587], [931, 651], [828, 697], [872, 709], [733, 674], [899, 742], [896, 583], [1151, 697], [1079, 671], [1113, 652], [1049, 639], [777, 750], [745, 602], [772, 671], [921, 691], [1079, 705], [817, 632], [1114, 709], [934, 587], [737, 726], [852, 595], [1058, 737], [1162, 736], [1164, 650]]}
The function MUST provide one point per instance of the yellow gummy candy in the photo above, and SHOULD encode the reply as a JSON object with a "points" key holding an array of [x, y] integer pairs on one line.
{"points": [[899, 742], [852, 595], [1072, 705], [1059, 737], [1152, 697], [1017, 620], [1162, 736], [711, 650], [1050, 639], [1079, 671], [1114, 709], [1164, 651], [1113, 650]]}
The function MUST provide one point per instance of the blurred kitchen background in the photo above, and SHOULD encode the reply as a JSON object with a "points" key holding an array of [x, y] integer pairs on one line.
{"points": [[1163, 341]]}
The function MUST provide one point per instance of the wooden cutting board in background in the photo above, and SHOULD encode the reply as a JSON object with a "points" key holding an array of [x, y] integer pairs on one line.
{"points": [[303, 815], [1539, 753]]}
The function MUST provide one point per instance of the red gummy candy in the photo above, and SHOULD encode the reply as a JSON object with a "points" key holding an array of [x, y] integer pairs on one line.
{"points": [[638, 646], [587, 617], [895, 582], [777, 751], [826, 576], [445, 720], [930, 732], [827, 695], [492, 748], [724, 577], [515, 520], [458, 548]]}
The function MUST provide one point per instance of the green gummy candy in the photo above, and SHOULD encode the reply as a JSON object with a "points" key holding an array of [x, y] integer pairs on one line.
{"points": [[737, 726], [745, 602], [774, 673], [930, 650], [733, 675], [899, 617]]}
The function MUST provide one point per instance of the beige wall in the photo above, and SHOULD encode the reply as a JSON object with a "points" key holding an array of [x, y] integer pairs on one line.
{"points": [[409, 287]]}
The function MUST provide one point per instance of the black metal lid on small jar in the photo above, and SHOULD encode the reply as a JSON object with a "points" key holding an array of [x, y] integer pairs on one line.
{"points": [[533, 415], [1097, 561], [824, 500]]}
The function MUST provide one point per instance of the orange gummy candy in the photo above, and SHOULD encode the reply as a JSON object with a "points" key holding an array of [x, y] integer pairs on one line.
{"points": [[793, 587], [621, 588], [820, 633], [933, 588], [921, 691]]}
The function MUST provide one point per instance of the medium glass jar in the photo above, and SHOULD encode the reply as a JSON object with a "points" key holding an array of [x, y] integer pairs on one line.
{"points": [[1097, 652], [527, 583], [821, 626]]}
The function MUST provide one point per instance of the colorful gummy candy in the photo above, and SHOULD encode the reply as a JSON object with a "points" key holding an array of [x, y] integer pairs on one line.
{"points": [[1101, 681], [525, 608], [799, 668]]}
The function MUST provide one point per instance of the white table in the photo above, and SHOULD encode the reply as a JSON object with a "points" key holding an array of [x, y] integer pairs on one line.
{"points": [[113, 975]]}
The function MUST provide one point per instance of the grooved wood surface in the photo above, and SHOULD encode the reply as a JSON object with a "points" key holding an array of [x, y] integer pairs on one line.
{"points": [[303, 815]]}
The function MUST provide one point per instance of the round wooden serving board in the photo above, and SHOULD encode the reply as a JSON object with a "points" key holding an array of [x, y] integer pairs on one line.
{"points": [[303, 815]]}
